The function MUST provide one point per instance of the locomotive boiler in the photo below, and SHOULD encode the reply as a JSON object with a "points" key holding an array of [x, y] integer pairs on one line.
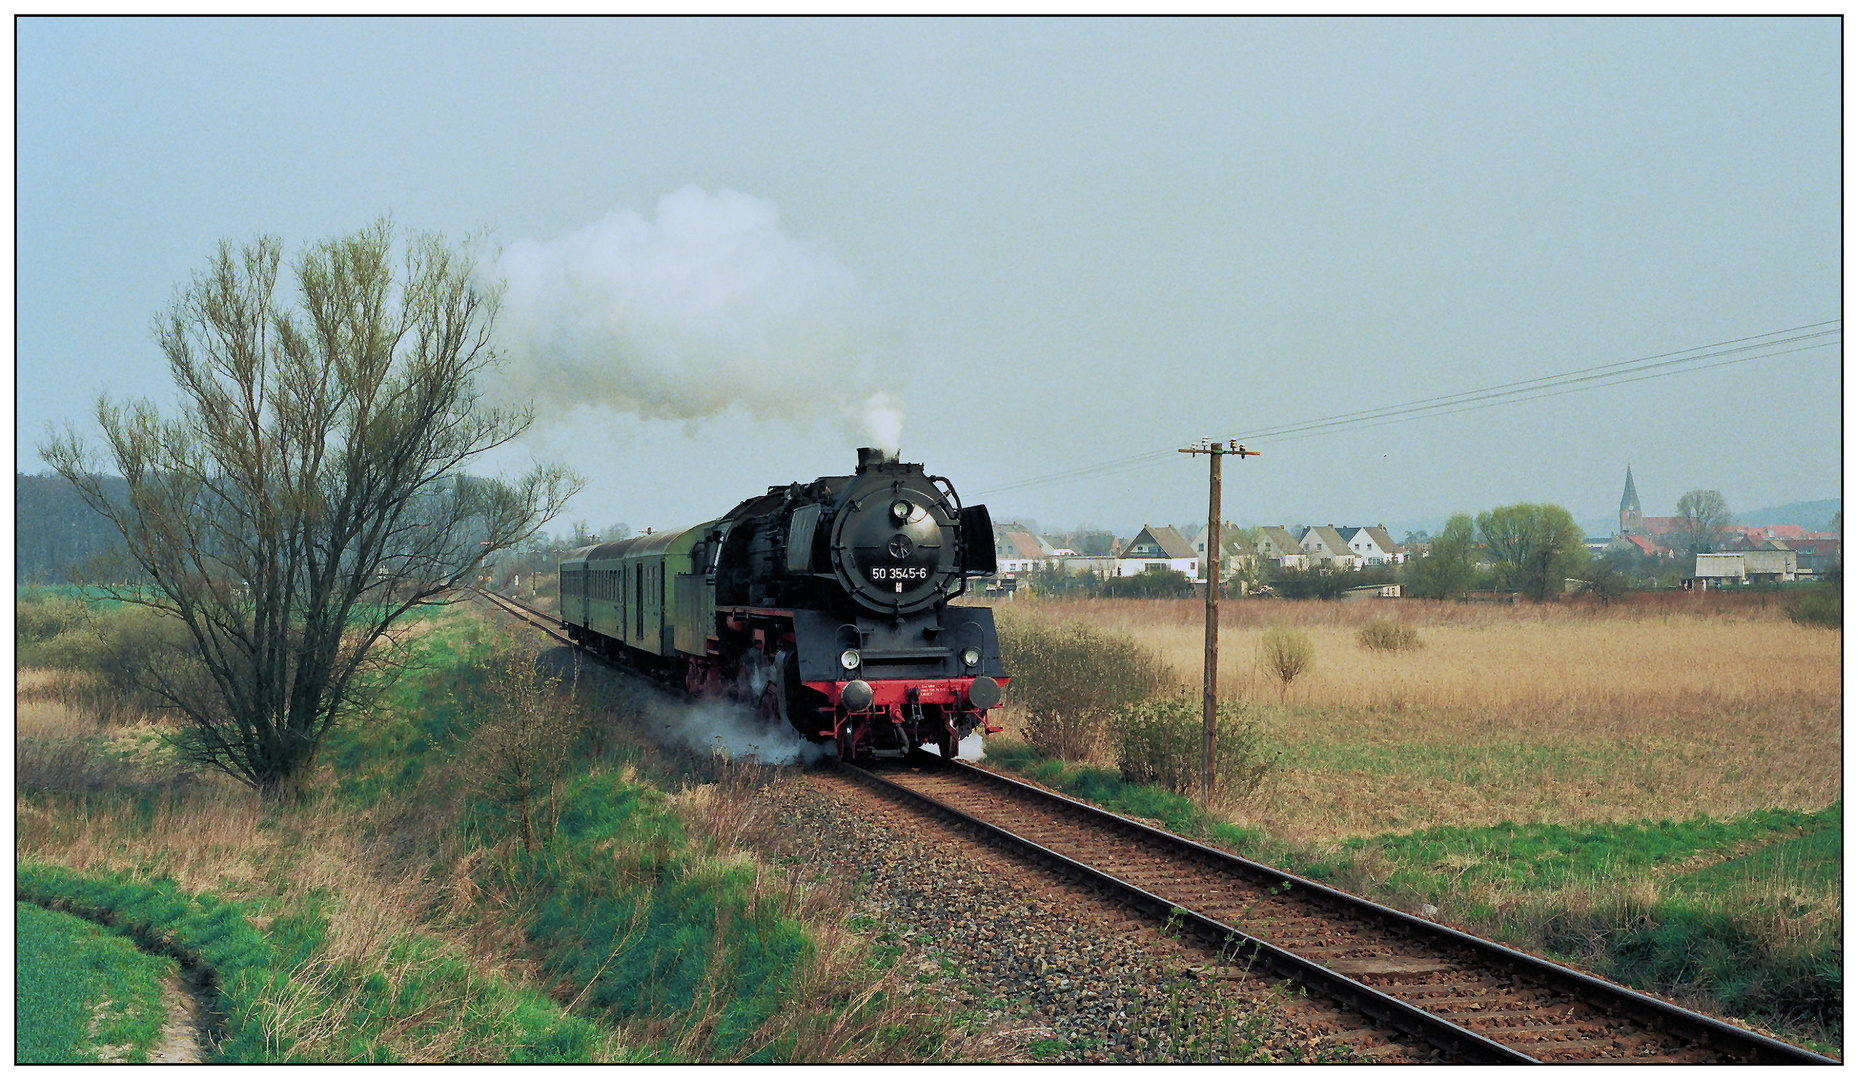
{"points": [[824, 605]]}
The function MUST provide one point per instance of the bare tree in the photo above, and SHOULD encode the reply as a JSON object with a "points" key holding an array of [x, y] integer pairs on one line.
{"points": [[309, 494], [1704, 513]]}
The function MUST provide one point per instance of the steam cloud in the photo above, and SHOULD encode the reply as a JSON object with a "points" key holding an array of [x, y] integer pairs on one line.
{"points": [[731, 729], [710, 305]]}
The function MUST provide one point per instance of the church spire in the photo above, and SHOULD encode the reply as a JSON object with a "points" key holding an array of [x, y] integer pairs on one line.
{"points": [[1631, 519]]}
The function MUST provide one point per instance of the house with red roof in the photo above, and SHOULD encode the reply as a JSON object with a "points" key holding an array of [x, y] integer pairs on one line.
{"points": [[1639, 545]]}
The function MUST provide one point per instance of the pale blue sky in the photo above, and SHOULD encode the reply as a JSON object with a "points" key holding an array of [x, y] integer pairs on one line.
{"points": [[1053, 244]]}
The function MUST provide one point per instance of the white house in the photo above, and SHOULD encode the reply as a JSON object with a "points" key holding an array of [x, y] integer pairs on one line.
{"points": [[1157, 546], [1324, 545], [1017, 550], [1372, 545]]}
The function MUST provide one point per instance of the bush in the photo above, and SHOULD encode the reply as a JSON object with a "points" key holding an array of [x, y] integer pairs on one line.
{"points": [[521, 749], [1068, 680], [1821, 605], [1286, 654], [1386, 635], [39, 617], [1150, 584], [1164, 742]]}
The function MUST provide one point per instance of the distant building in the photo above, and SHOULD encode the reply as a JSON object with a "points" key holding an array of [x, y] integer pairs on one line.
{"points": [[1238, 551], [1717, 568], [1631, 518], [1323, 546], [1633, 522], [1638, 545], [1157, 547], [1275, 544], [1372, 545], [1818, 553], [1764, 566], [1018, 549], [1752, 533]]}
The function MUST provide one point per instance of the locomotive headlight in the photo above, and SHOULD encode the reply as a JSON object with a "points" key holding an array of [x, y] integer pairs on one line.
{"points": [[849, 659], [971, 656], [901, 510]]}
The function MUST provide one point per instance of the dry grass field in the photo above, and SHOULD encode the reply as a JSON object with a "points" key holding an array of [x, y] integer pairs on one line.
{"points": [[1528, 713]]}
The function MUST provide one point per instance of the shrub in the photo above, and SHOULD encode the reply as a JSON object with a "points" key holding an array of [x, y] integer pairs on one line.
{"points": [[520, 751], [1068, 680], [39, 617], [1286, 654], [1821, 605], [1164, 742], [1386, 635]]}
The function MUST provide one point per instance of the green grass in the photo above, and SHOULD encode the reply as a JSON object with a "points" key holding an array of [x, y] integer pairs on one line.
{"points": [[1106, 788], [1745, 910], [1432, 862], [80, 988], [1812, 860], [420, 718]]}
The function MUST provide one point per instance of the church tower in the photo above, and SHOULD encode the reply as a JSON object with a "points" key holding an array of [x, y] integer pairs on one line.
{"points": [[1631, 521]]}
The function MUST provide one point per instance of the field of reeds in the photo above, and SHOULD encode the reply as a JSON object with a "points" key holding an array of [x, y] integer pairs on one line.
{"points": [[1519, 713], [1652, 789]]}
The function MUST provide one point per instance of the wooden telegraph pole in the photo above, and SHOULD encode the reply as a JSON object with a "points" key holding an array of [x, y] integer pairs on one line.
{"points": [[1214, 561]]}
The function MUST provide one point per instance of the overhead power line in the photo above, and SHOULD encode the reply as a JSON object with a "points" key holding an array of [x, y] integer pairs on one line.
{"points": [[1617, 373]]}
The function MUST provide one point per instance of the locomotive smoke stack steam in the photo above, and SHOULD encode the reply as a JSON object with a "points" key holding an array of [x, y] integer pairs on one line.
{"points": [[872, 456], [706, 307]]}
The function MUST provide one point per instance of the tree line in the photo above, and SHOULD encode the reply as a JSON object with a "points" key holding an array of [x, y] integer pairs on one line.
{"points": [[57, 535]]}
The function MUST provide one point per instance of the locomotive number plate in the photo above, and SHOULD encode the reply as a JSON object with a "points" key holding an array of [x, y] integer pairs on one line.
{"points": [[899, 573]]}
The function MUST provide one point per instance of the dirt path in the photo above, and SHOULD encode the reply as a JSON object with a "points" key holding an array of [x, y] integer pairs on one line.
{"points": [[185, 1038]]}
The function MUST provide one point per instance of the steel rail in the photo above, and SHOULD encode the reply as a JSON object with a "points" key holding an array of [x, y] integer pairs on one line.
{"points": [[1747, 1046], [535, 617], [1465, 1045]]}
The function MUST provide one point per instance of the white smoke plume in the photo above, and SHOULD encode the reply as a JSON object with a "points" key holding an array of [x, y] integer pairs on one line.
{"points": [[707, 306], [731, 729]]}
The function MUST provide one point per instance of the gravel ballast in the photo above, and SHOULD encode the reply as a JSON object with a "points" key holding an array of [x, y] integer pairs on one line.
{"points": [[1040, 969]]}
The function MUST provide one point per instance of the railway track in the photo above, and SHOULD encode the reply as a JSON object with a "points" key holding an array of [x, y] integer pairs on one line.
{"points": [[535, 617], [1471, 999]]}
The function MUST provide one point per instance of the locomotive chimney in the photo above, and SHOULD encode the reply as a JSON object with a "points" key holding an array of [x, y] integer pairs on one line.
{"points": [[869, 456]]}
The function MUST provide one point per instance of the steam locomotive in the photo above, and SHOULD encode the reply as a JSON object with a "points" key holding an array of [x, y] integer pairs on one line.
{"points": [[825, 605]]}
